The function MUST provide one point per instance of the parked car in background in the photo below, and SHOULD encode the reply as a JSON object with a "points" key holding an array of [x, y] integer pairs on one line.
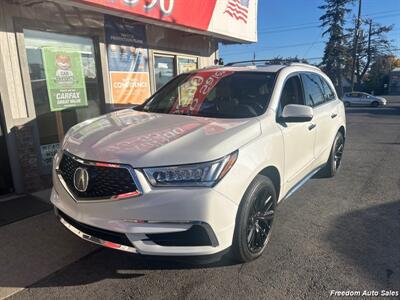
{"points": [[363, 99], [201, 166]]}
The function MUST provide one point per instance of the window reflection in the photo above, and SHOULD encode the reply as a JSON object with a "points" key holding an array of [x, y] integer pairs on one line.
{"points": [[35, 41]]}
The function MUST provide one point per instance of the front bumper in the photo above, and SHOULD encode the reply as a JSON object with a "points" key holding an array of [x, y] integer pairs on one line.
{"points": [[162, 221]]}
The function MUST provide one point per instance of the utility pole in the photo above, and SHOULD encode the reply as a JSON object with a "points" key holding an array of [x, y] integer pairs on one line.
{"points": [[355, 46]]}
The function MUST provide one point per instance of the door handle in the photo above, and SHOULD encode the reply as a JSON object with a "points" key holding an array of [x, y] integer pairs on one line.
{"points": [[312, 126], [334, 115]]}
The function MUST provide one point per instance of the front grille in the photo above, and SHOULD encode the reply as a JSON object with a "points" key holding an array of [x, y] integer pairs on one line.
{"points": [[104, 182]]}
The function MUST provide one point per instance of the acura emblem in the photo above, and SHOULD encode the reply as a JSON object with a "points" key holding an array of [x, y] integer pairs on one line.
{"points": [[81, 179]]}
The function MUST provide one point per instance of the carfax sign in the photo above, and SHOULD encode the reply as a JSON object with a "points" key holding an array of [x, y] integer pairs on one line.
{"points": [[65, 78]]}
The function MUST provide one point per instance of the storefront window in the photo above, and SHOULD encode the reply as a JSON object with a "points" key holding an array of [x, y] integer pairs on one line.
{"points": [[186, 64], [164, 69], [71, 95]]}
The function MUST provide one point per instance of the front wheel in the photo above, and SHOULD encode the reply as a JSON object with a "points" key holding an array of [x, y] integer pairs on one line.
{"points": [[375, 104], [254, 220], [335, 157], [347, 104]]}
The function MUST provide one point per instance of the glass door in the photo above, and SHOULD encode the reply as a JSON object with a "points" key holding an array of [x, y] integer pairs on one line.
{"points": [[65, 84], [6, 185], [164, 69]]}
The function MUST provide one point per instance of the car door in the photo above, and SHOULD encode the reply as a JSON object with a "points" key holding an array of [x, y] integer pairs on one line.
{"points": [[358, 97], [299, 138], [365, 99], [318, 92], [353, 98]]}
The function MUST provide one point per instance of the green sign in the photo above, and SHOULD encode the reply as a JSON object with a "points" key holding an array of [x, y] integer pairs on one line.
{"points": [[65, 78]]}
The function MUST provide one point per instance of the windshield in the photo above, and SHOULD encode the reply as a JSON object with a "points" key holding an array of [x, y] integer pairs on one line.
{"points": [[214, 93]]}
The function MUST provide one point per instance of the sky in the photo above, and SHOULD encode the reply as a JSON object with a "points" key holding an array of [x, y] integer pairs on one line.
{"points": [[290, 28]]}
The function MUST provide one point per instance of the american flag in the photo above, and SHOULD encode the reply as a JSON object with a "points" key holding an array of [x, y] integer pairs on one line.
{"points": [[238, 9]]}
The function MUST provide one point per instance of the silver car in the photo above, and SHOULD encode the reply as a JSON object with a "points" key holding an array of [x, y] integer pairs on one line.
{"points": [[363, 99]]}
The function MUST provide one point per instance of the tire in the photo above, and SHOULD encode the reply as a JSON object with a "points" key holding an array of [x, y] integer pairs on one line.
{"points": [[254, 220], [375, 104], [334, 161], [347, 104]]}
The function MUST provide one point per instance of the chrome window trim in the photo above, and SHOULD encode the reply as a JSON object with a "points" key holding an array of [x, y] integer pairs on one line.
{"points": [[130, 169]]}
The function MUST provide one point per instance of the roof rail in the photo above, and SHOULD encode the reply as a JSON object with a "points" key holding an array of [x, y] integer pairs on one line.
{"points": [[262, 61], [287, 62]]}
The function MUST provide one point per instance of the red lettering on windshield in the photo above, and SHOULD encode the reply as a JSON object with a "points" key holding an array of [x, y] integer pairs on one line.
{"points": [[195, 90]]}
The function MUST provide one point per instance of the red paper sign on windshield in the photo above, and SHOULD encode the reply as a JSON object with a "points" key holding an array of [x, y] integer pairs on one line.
{"points": [[195, 90]]}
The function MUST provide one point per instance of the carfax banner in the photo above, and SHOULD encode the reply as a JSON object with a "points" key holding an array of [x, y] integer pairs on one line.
{"points": [[64, 78]]}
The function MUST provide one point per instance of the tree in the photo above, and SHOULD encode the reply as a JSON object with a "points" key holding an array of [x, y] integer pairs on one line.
{"points": [[279, 59], [335, 50], [372, 43], [377, 78]]}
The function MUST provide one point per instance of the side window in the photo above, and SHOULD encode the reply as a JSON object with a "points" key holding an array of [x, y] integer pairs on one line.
{"points": [[328, 93], [292, 92], [312, 89]]}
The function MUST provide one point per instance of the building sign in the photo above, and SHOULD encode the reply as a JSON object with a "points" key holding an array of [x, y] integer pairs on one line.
{"points": [[64, 78], [127, 61], [232, 19]]}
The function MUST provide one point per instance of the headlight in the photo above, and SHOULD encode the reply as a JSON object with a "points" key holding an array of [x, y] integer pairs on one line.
{"points": [[202, 174]]}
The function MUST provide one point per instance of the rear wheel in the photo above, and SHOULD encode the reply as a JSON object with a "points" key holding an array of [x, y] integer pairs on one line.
{"points": [[254, 220], [335, 158]]}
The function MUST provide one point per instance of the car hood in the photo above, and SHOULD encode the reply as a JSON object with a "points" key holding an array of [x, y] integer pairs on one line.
{"points": [[380, 98], [150, 139]]}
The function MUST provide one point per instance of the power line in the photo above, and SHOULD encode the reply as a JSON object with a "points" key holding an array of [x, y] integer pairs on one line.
{"points": [[296, 27], [288, 46], [274, 48]]}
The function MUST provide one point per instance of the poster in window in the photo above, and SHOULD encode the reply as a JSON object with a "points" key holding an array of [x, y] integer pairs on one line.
{"points": [[186, 65], [127, 61], [64, 78]]}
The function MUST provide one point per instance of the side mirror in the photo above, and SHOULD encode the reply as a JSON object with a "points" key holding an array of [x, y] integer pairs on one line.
{"points": [[295, 113]]}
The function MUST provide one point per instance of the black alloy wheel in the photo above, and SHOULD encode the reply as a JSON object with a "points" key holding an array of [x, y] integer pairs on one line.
{"points": [[254, 219], [335, 158], [338, 151], [260, 221]]}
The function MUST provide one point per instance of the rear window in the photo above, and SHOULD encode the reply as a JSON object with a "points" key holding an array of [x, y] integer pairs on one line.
{"points": [[214, 93]]}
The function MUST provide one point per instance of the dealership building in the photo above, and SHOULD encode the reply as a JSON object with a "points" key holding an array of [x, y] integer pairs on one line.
{"points": [[63, 62]]}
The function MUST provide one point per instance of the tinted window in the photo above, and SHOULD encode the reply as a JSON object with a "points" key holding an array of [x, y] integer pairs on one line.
{"points": [[292, 92], [355, 95], [328, 92], [214, 93], [312, 89]]}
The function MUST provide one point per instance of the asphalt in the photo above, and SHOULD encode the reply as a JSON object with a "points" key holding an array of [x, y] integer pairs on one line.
{"points": [[333, 234]]}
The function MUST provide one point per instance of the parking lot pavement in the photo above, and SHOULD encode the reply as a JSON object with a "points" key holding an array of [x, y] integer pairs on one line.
{"points": [[334, 234]]}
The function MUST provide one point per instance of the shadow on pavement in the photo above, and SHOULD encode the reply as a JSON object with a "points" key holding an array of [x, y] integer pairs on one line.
{"points": [[370, 240], [112, 264]]}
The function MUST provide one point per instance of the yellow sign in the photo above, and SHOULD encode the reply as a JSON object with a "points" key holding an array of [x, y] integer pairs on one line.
{"points": [[129, 87]]}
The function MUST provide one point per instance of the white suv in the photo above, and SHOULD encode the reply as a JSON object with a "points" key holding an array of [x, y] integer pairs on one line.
{"points": [[201, 166]]}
